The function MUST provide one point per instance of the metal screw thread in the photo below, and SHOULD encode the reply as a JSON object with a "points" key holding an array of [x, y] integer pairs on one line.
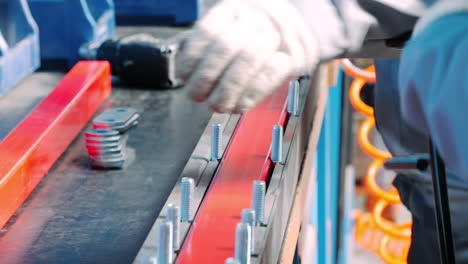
{"points": [[231, 261], [277, 144], [164, 243], [186, 199], [248, 217], [173, 216], [216, 141], [258, 200], [242, 251], [293, 97]]}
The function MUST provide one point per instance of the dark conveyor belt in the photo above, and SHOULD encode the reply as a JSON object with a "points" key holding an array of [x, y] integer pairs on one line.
{"points": [[80, 215]]}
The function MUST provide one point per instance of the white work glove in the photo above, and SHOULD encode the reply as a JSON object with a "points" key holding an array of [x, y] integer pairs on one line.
{"points": [[242, 50]]}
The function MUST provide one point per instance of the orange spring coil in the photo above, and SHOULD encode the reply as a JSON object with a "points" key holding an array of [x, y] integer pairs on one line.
{"points": [[382, 236]]}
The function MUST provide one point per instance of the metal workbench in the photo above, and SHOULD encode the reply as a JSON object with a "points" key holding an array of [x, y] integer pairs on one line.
{"points": [[81, 215]]}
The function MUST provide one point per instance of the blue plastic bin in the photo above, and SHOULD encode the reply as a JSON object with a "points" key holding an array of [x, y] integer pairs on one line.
{"points": [[174, 12], [67, 25], [19, 43]]}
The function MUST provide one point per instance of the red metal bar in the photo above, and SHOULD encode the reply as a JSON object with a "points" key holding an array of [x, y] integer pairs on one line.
{"points": [[31, 149], [211, 238]]}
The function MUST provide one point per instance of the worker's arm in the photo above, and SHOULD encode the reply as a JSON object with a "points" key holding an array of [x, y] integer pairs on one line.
{"points": [[241, 50], [360, 28], [433, 80]]}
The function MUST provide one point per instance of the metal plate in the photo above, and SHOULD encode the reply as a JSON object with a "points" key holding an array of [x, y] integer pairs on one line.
{"points": [[115, 116], [120, 119], [103, 140], [104, 145], [100, 133]]}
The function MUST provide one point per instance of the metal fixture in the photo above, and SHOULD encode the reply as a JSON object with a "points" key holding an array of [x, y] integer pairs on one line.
{"points": [[187, 187], [216, 141], [173, 216], [231, 261], [248, 217], [202, 172], [164, 243], [258, 200], [105, 148], [277, 144], [293, 97], [242, 250], [105, 143], [120, 119]]}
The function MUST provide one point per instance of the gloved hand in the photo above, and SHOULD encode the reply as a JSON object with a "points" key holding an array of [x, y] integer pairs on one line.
{"points": [[242, 50]]}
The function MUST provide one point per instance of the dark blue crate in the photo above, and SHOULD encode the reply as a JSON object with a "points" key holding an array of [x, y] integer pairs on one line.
{"points": [[67, 25], [19, 43], [175, 12]]}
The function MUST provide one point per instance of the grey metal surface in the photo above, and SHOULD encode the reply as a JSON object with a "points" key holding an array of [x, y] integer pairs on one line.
{"points": [[81, 215], [199, 167]]}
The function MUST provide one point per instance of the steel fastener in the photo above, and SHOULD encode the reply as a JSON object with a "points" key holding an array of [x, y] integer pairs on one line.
{"points": [[231, 261], [120, 119], [187, 188], [105, 148], [242, 250], [258, 200], [99, 133], [293, 97], [216, 141], [164, 243], [248, 217], [277, 144], [173, 216]]}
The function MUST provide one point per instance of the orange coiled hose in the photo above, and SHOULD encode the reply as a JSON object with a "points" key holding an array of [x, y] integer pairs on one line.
{"points": [[368, 74], [391, 250], [366, 145], [391, 196], [389, 240]]}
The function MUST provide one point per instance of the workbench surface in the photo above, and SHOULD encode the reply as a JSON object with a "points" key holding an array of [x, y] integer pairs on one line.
{"points": [[80, 215]]}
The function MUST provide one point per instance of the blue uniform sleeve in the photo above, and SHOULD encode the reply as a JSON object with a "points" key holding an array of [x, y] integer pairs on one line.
{"points": [[433, 83]]}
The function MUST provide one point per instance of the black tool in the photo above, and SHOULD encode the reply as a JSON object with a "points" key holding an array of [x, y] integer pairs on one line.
{"points": [[139, 59]]}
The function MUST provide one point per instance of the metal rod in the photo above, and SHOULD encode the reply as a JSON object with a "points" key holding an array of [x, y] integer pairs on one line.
{"points": [[403, 164], [442, 209]]}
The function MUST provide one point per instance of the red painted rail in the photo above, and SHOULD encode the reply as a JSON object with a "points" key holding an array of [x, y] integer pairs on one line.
{"points": [[212, 236], [31, 149]]}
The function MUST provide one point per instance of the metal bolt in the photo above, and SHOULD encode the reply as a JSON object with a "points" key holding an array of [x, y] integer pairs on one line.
{"points": [[186, 199], [242, 251], [231, 261], [173, 216], [248, 217], [216, 141], [164, 243], [258, 200], [277, 144], [293, 97]]}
